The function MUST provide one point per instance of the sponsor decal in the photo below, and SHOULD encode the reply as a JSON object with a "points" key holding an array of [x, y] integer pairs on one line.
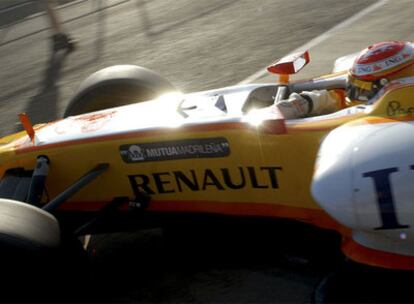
{"points": [[94, 122], [86, 123], [394, 108], [177, 149], [365, 69], [385, 197], [221, 179]]}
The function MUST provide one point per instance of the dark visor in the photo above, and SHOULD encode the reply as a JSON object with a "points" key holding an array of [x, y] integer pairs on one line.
{"points": [[361, 90]]}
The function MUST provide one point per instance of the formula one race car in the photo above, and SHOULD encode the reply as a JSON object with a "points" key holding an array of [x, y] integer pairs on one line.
{"points": [[227, 151]]}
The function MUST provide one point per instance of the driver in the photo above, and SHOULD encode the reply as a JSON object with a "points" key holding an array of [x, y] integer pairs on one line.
{"points": [[373, 68]]}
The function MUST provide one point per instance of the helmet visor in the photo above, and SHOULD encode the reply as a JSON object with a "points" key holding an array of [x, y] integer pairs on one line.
{"points": [[358, 90]]}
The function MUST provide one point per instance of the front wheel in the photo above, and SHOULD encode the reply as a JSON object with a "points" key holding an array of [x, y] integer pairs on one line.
{"points": [[116, 86]]}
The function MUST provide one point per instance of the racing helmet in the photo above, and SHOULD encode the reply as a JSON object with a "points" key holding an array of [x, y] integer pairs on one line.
{"points": [[375, 66]]}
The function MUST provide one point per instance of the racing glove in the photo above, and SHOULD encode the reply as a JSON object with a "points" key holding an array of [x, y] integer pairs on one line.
{"points": [[296, 106], [310, 103]]}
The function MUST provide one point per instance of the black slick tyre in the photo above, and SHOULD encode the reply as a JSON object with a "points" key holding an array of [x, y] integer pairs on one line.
{"points": [[116, 86]]}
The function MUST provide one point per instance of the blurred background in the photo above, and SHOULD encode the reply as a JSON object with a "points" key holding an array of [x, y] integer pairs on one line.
{"points": [[197, 45]]}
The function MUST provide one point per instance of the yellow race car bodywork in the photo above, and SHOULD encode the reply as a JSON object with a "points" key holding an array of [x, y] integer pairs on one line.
{"points": [[204, 158]]}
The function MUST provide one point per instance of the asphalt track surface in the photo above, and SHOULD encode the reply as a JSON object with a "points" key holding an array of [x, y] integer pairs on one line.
{"points": [[197, 45]]}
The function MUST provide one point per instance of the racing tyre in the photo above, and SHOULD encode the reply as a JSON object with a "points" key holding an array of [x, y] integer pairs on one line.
{"points": [[25, 227], [29, 241], [116, 86]]}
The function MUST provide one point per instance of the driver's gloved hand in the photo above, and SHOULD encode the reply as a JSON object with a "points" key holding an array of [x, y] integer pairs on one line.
{"points": [[296, 106]]}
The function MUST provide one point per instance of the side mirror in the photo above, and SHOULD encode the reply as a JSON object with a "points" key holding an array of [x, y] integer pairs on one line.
{"points": [[290, 64]]}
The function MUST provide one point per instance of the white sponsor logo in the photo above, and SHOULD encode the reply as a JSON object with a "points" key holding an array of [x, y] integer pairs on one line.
{"points": [[180, 149], [184, 150], [135, 153]]}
